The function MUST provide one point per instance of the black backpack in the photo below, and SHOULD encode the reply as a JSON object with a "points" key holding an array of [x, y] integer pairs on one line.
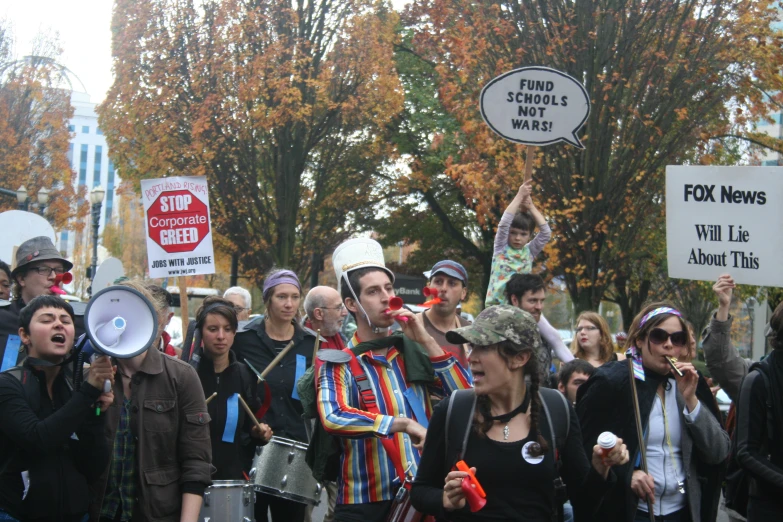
{"points": [[459, 419], [737, 488]]}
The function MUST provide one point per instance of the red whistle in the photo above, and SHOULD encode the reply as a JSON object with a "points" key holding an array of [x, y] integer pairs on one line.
{"points": [[63, 278], [430, 292], [474, 493], [395, 303]]}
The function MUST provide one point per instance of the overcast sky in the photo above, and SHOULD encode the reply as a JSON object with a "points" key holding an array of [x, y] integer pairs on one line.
{"points": [[84, 29], [85, 36]]}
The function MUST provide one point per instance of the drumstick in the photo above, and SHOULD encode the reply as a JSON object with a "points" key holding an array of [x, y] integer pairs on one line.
{"points": [[317, 344], [276, 360], [639, 432], [211, 397], [249, 411]]}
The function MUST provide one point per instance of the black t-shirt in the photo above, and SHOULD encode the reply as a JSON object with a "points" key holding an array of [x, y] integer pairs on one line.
{"points": [[518, 488], [514, 484]]}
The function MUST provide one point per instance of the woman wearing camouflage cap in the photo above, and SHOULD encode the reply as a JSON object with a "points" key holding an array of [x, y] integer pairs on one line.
{"points": [[509, 444]]}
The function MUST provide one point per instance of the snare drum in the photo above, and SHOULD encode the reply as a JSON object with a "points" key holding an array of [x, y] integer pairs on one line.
{"points": [[279, 469], [228, 500]]}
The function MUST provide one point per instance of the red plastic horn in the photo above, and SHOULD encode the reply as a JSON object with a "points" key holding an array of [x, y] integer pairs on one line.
{"points": [[475, 502], [474, 493], [427, 291], [64, 278], [431, 302], [395, 303]]}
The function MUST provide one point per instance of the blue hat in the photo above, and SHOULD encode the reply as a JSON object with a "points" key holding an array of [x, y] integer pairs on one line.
{"points": [[450, 268]]}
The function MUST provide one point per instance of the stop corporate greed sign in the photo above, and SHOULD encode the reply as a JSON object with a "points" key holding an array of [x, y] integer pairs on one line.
{"points": [[725, 220], [179, 239], [535, 106]]}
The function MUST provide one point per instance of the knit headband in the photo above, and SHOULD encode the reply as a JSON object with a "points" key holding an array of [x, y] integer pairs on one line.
{"points": [[658, 311], [280, 277]]}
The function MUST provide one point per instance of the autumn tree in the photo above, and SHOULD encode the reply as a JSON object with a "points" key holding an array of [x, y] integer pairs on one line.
{"points": [[282, 105], [125, 235], [35, 107], [661, 93]]}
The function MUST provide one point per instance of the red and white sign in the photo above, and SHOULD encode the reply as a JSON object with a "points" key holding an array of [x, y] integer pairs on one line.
{"points": [[179, 238]]}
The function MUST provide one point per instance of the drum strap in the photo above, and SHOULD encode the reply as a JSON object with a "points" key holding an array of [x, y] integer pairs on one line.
{"points": [[370, 404]]}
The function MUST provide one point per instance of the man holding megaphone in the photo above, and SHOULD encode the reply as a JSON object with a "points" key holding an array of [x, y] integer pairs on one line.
{"points": [[51, 441], [157, 424]]}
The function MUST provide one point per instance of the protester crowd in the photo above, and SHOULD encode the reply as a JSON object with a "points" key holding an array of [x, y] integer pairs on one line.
{"points": [[493, 420]]}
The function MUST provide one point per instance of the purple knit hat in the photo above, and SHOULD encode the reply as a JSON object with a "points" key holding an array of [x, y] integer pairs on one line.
{"points": [[281, 277]]}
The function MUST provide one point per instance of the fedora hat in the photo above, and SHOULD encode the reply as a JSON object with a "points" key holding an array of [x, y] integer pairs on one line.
{"points": [[36, 249]]}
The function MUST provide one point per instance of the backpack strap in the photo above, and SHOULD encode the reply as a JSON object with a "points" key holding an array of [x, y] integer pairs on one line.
{"points": [[560, 424], [367, 397], [558, 430], [459, 419]]}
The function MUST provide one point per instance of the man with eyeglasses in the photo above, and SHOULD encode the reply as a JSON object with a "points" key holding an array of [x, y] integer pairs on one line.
{"points": [[241, 300], [38, 263], [325, 312]]}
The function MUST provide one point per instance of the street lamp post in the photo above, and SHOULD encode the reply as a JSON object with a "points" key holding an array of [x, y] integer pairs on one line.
{"points": [[21, 197], [96, 198], [43, 200]]}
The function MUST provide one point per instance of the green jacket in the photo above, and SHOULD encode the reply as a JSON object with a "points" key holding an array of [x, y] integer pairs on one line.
{"points": [[323, 453]]}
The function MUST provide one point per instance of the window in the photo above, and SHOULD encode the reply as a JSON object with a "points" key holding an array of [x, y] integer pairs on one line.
{"points": [[83, 166], [85, 129], [96, 175], [70, 155], [98, 131], [770, 163], [71, 128]]}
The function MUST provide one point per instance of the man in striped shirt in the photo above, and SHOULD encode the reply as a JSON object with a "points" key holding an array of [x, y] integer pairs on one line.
{"points": [[402, 371]]}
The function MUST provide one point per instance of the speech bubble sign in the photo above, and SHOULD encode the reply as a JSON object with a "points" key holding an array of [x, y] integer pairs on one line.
{"points": [[535, 106]]}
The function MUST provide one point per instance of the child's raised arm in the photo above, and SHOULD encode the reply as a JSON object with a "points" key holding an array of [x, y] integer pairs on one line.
{"points": [[516, 205], [544, 233]]}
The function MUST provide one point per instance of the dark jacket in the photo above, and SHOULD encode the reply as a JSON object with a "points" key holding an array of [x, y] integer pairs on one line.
{"points": [[230, 458], [285, 412], [757, 452], [170, 424], [9, 324], [57, 440], [605, 403]]}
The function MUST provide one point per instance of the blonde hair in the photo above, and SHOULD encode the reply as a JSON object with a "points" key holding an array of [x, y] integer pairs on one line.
{"points": [[605, 344]]}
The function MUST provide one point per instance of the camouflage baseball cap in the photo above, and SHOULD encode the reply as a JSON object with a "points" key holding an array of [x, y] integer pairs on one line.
{"points": [[496, 324]]}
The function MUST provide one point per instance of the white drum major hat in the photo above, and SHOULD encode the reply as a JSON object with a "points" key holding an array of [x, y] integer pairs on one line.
{"points": [[355, 254]]}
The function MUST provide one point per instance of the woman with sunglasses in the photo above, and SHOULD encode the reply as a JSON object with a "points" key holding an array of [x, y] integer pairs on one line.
{"points": [[686, 445], [592, 342]]}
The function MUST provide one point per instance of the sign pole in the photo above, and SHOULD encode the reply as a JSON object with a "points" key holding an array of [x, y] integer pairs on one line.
{"points": [[529, 163], [183, 302]]}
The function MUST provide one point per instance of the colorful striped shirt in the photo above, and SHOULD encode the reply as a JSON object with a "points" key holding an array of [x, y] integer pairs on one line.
{"points": [[367, 474]]}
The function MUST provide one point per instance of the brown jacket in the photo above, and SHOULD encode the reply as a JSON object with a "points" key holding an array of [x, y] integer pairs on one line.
{"points": [[170, 424]]}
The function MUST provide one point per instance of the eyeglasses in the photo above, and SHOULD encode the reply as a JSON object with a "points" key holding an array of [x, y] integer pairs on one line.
{"points": [[660, 336], [46, 271], [240, 309], [586, 329]]}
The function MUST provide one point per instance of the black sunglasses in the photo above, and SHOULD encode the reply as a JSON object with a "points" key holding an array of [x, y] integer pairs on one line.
{"points": [[659, 336]]}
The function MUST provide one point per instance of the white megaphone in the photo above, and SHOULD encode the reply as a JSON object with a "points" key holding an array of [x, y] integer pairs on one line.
{"points": [[120, 322]]}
